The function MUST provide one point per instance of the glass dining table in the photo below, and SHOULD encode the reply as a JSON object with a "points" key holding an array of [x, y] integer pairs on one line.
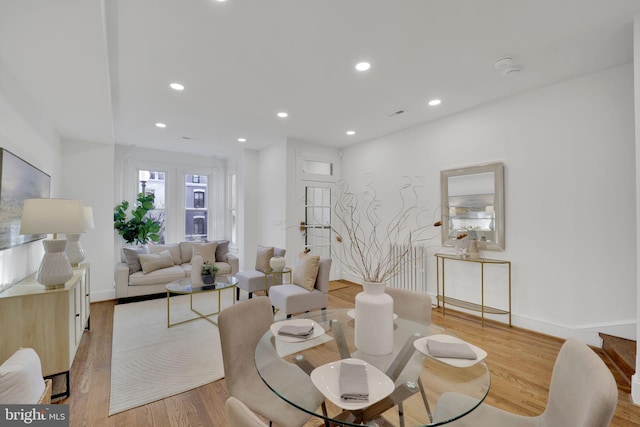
{"points": [[403, 387]]}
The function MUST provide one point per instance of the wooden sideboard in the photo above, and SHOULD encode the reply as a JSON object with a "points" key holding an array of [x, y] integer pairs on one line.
{"points": [[49, 321]]}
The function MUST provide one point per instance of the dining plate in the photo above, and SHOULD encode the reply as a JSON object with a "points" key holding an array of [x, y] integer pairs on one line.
{"points": [[352, 313], [317, 329], [421, 345], [326, 378]]}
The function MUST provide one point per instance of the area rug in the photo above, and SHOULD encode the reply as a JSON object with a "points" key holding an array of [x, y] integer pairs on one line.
{"points": [[150, 362]]}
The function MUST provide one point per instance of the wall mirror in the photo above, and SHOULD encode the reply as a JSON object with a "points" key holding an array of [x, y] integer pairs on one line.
{"points": [[473, 203]]}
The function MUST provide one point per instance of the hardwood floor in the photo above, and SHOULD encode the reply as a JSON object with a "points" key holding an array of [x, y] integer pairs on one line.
{"points": [[520, 362]]}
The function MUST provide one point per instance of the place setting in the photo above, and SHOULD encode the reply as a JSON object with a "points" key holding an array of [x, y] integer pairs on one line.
{"points": [[294, 335], [450, 350], [352, 384]]}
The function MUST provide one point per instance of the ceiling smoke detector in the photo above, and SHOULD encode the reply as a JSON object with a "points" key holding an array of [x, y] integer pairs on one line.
{"points": [[505, 65]]}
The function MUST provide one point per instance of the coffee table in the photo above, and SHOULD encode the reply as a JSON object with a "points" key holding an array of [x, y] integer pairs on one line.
{"points": [[184, 287]]}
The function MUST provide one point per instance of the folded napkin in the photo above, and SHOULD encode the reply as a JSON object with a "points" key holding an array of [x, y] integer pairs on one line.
{"points": [[353, 382], [452, 350], [296, 331]]}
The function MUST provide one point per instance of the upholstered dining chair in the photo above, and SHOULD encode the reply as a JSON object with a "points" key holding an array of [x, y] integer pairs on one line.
{"points": [[290, 298], [256, 280], [241, 416], [410, 304], [583, 393], [241, 327]]}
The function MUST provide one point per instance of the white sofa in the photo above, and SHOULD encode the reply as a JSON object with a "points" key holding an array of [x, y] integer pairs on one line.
{"points": [[131, 283]]}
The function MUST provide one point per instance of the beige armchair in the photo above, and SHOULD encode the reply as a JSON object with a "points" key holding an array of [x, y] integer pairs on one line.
{"points": [[583, 393], [290, 298], [256, 280]]}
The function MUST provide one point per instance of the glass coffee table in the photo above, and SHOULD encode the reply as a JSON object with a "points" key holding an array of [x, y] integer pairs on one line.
{"points": [[184, 287]]}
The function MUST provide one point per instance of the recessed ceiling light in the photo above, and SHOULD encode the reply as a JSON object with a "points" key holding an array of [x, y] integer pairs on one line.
{"points": [[351, 132], [242, 139], [161, 125], [176, 86], [283, 115], [363, 66], [434, 102]]}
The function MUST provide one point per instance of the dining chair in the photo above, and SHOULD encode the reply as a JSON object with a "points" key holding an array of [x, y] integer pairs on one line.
{"points": [[410, 304], [240, 415], [241, 327], [583, 393]]}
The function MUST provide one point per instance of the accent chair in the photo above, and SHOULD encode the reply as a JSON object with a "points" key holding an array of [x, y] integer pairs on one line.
{"points": [[256, 280], [291, 298]]}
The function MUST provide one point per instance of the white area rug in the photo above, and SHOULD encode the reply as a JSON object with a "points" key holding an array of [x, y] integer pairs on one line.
{"points": [[150, 362]]}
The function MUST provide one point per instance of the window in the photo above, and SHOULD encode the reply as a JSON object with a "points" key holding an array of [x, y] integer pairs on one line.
{"points": [[153, 182], [198, 199], [233, 209], [196, 212]]}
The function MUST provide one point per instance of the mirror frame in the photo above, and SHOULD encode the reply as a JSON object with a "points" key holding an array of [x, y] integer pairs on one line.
{"points": [[498, 190]]}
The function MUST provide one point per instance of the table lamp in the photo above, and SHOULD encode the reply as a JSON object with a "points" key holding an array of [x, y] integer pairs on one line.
{"points": [[74, 250], [53, 216]]}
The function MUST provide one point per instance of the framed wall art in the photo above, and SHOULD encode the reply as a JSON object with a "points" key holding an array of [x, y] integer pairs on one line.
{"points": [[19, 181]]}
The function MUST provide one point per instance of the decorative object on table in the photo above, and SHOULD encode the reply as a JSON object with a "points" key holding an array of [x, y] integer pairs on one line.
{"points": [[44, 216], [462, 245], [209, 272], [277, 329], [422, 345], [74, 249], [277, 263], [196, 270], [365, 249], [140, 228], [473, 251]]}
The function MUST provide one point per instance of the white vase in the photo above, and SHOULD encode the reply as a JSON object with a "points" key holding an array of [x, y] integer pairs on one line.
{"points": [[374, 320], [277, 263]]}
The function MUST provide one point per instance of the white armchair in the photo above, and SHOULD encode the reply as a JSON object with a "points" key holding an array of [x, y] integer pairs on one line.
{"points": [[291, 298], [256, 280]]}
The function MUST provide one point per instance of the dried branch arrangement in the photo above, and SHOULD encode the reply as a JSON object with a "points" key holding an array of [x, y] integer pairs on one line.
{"points": [[364, 244]]}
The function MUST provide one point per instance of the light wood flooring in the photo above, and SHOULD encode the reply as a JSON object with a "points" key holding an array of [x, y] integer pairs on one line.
{"points": [[520, 362]]}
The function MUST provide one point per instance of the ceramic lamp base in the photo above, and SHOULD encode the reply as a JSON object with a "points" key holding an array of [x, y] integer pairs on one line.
{"points": [[74, 250], [55, 268]]}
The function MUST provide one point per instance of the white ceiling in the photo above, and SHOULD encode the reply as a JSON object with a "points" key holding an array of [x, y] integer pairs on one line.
{"points": [[101, 72]]}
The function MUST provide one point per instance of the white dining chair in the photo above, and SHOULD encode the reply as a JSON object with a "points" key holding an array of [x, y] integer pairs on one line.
{"points": [[583, 393], [241, 327]]}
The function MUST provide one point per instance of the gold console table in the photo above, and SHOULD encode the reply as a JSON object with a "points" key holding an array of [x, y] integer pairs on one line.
{"points": [[440, 263]]}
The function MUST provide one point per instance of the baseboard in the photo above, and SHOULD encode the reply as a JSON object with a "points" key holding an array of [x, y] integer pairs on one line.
{"points": [[107, 295]]}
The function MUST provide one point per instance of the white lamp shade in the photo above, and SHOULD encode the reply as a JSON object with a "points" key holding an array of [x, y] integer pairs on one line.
{"points": [[45, 216], [88, 218]]}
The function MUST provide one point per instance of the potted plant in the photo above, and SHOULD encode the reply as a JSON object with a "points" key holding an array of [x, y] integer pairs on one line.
{"points": [[209, 272], [138, 228]]}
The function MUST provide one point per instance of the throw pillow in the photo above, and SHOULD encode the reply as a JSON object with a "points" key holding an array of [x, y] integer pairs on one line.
{"points": [[131, 256], [262, 258], [206, 250], [153, 262], [21, 378], [222, 250], [305, 271]]}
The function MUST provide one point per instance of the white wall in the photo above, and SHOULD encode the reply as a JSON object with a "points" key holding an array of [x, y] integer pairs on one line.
{"points": [[635, 380], [568, 151], [272, 183], [88, 177], [249, 209], [26, 133]]}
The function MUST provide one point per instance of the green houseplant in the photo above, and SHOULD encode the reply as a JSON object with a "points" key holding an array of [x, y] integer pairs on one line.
{"points": [[209, 272], [138, 228]]}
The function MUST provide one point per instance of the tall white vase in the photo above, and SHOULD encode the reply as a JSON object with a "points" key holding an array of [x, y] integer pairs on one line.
{"points": [[374, 320]]}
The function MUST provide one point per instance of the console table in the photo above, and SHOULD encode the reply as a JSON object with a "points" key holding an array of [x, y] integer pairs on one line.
{"points": [[440, 264], [51, 321]]}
